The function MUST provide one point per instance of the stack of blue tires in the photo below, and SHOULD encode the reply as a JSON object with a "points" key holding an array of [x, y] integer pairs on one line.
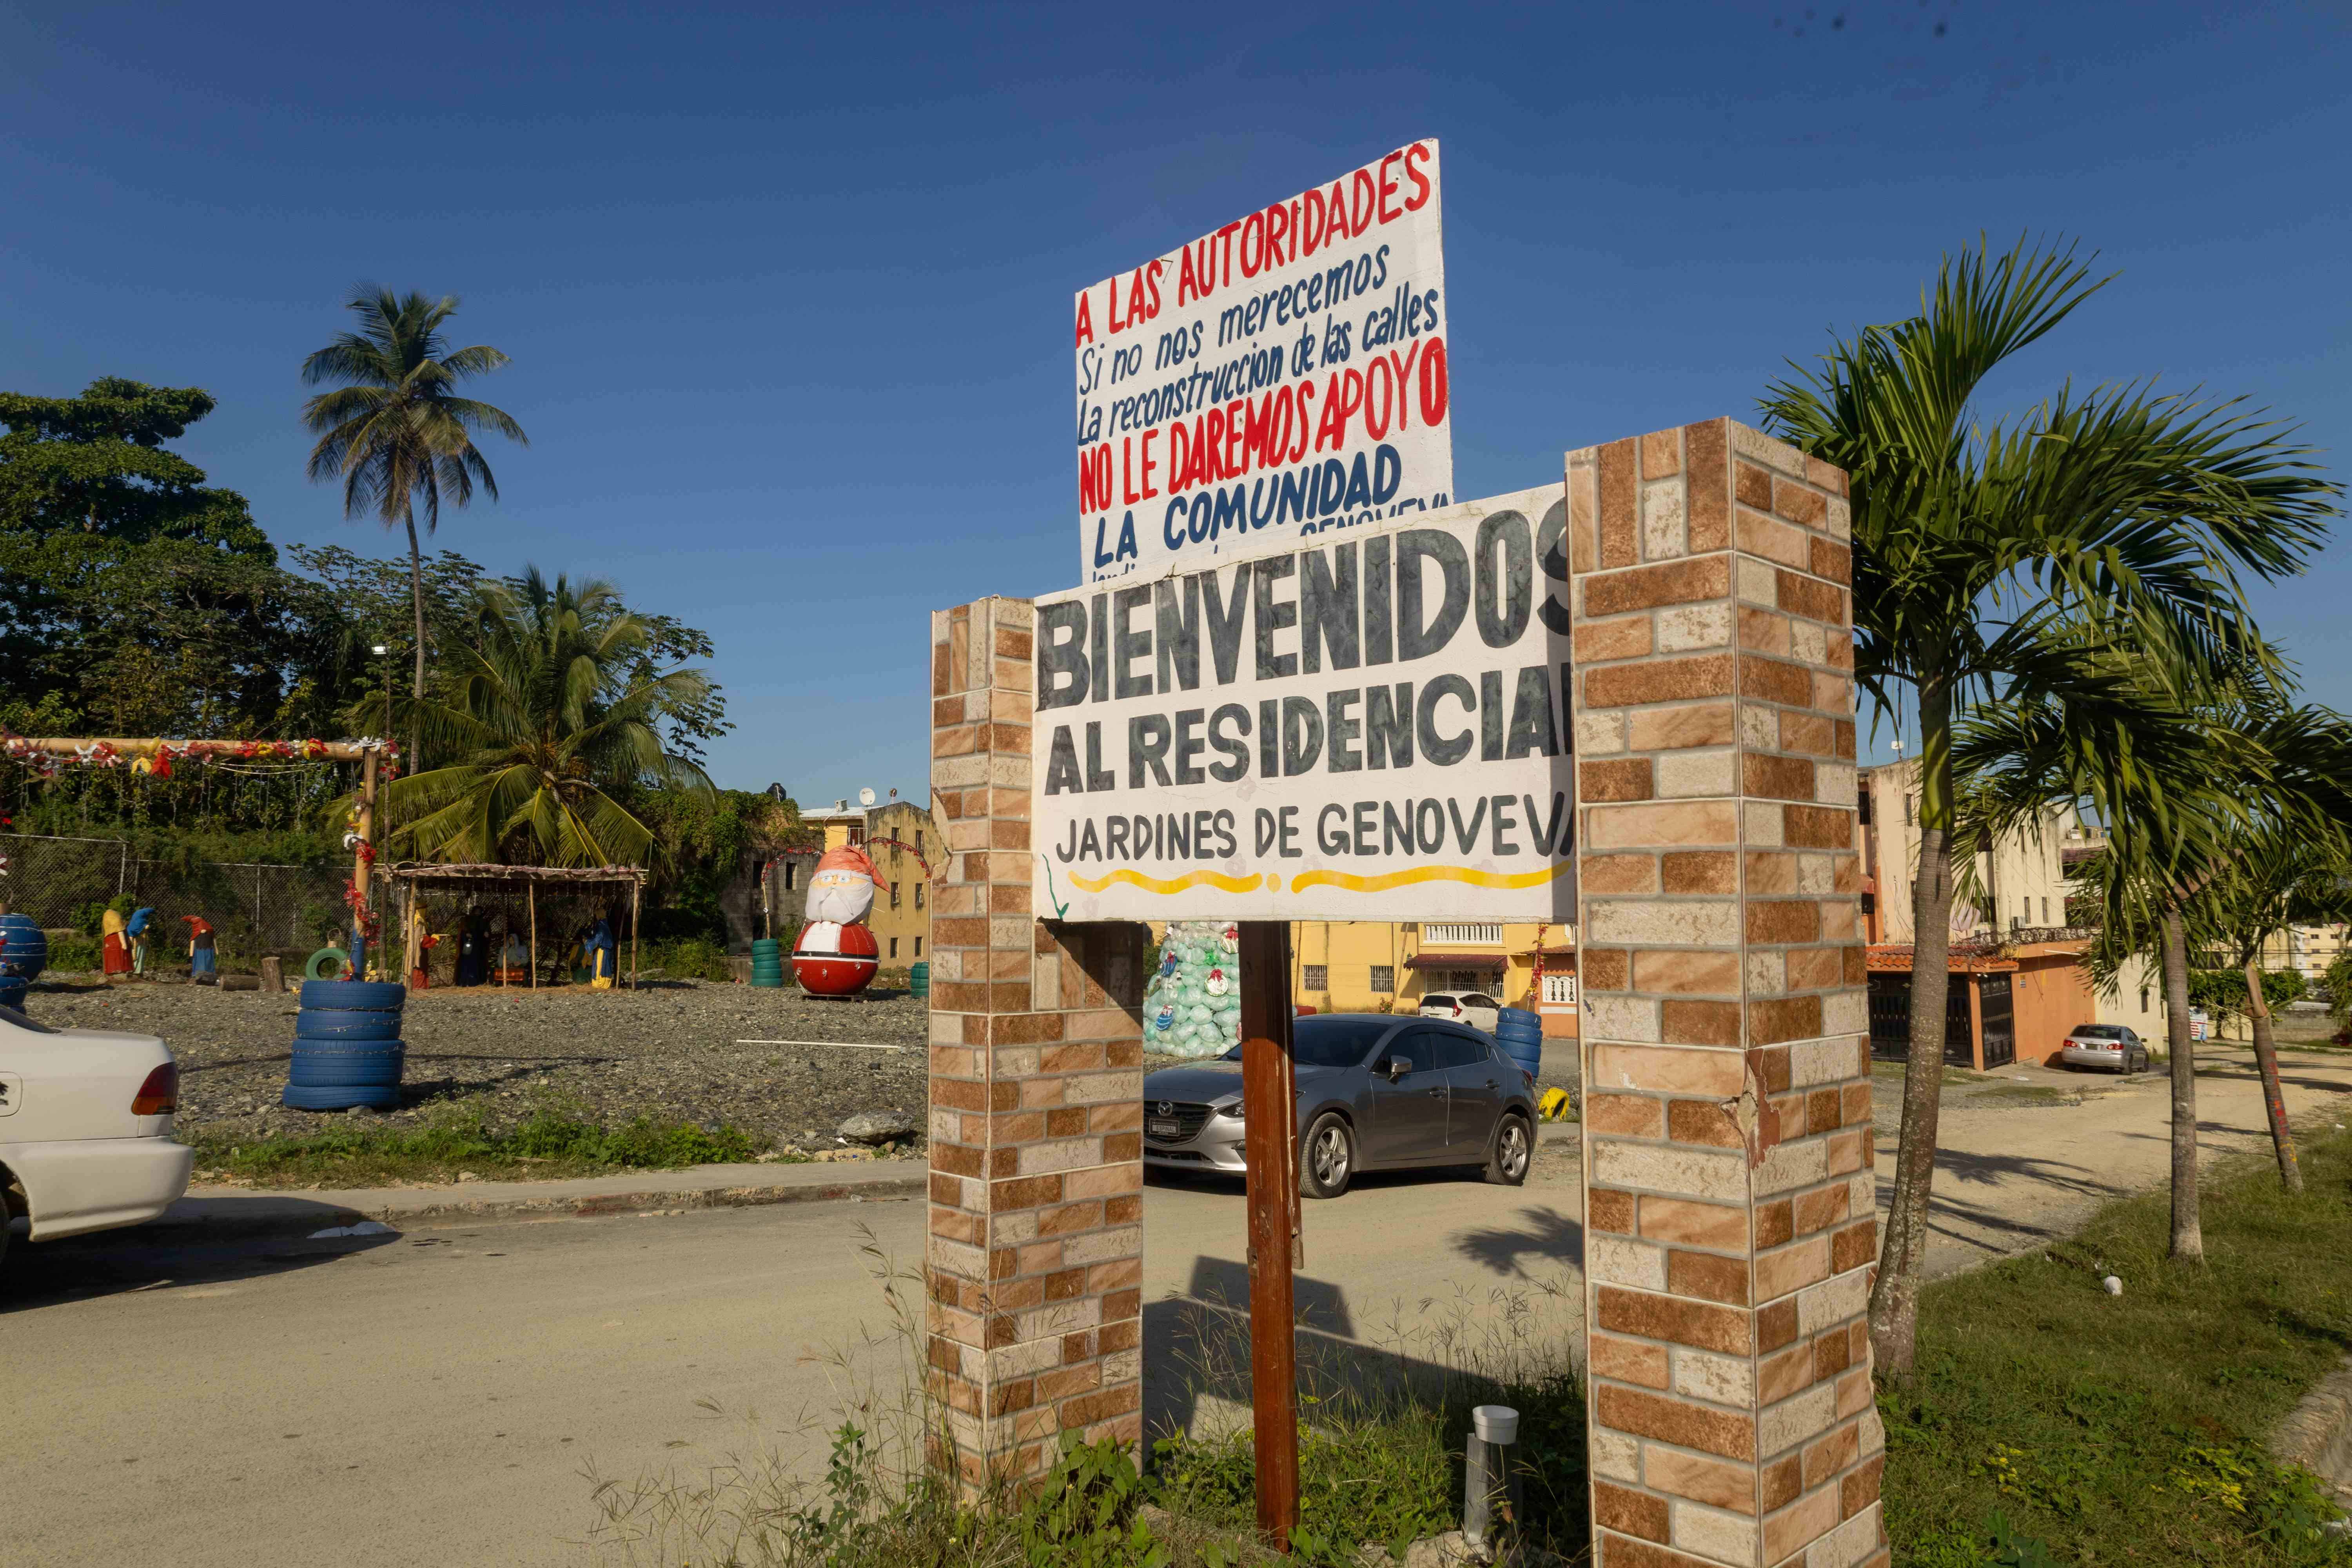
{"points": [[347, 1046], [25, 954], [1520, 1033]]}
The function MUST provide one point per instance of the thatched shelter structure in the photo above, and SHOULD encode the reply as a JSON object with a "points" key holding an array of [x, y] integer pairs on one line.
{"points": [[412, 878]]}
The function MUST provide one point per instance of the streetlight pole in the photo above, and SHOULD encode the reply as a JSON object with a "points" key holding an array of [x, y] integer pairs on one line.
{"points": [[383, 651]]}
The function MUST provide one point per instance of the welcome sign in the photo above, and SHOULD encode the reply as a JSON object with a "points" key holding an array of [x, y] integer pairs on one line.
{"points": [[1370, 726], [1281, 377]]}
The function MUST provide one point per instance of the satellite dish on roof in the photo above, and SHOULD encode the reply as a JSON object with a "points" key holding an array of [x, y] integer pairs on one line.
{"points": [[865, 798]]}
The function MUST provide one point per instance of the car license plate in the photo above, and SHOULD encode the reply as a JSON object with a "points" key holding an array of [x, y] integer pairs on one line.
{"points": [[1160, 1127]]}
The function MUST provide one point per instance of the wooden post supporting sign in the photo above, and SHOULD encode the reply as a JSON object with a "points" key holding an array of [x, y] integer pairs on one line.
{"points": [[1270, 1149]]}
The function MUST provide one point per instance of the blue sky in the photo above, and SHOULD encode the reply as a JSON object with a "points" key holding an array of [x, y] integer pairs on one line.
{"points": [[788, 293]]}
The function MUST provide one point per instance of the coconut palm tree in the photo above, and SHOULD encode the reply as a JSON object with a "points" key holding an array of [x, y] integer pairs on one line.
{"points": [[396, 432], [1993, 559], [557, 712]]}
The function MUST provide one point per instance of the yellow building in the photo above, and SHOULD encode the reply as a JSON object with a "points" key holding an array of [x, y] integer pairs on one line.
{"points": [[1379, 966], [899, 839], [896, 836]]}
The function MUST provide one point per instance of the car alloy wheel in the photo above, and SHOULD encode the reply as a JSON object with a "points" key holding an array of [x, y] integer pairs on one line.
{"points": [[1329, 1158], [1513, 1150]]}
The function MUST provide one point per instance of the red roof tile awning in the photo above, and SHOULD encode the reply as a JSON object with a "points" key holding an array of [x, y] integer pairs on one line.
{"points": [[1493, 960]]}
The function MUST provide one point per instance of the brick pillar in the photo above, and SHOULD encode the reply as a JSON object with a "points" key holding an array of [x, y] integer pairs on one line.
{"points": [[1034, 1257], [1730, 1217]]}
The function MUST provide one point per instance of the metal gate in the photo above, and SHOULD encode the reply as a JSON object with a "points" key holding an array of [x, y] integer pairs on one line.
{"points": [[1996, 1010], [1890, 1018]]}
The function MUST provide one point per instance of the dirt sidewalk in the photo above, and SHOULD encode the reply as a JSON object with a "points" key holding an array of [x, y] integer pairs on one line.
{"points": [[2015, 1171]]}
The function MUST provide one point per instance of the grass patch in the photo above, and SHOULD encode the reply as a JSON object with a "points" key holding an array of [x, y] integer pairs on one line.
{"points": [[2131, 1429], [1379, 1459], [457, 1138]]}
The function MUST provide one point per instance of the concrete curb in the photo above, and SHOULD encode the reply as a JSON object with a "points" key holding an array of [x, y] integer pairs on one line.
{"points": [[226, 1213]]}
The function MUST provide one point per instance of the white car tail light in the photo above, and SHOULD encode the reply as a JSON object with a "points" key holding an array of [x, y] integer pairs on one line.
{"points": [[160, 1095]]}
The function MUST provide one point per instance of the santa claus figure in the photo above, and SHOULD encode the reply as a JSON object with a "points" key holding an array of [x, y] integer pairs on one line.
{"points": [[836, 956]]}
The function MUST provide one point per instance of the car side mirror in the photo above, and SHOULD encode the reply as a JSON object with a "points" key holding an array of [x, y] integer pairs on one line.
{"points": [[1396, 1067]]}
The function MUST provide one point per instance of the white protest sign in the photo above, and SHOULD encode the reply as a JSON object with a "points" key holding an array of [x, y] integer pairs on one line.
{"points": [[1374, 725], [1280, 377]]}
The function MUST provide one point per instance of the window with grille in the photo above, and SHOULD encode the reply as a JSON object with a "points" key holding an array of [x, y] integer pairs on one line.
{"points": [[918, 841], [792, 875], [919, 895], [1462, 980], [1315, 977], [918, 947], [894, 895], [894, 947], [1383, 978], [1559, 990]]}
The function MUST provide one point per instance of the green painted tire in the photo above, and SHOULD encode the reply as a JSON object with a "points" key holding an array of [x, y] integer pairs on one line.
{"points": [[315, 969]]}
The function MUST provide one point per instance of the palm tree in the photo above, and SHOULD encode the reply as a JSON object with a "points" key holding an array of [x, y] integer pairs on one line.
{"points": [[1994, 559], [557, 712], [396, 432], [2284, 861], [2170, 781]]}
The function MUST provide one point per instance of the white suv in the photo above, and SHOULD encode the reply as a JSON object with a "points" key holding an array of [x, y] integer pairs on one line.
{"points": [[86, 1129], [1475, 1008]]}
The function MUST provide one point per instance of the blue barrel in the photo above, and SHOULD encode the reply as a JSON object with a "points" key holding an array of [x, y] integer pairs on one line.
{"points": [[27, 952], [347, 1046], [1520, 1033], [12, 992]]}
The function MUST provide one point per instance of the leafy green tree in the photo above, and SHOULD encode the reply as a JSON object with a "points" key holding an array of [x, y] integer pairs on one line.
{"points": [[395, 432], [2339, 984], [554, 721], [1995, 558], [132, 595], [710, 849], [96, 463]]}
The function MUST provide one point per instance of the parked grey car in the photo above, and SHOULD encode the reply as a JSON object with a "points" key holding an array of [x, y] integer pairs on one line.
{"points": [[1375, 1093]]}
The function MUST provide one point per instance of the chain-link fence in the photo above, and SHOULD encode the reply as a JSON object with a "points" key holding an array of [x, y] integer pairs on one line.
{"points": [[66, 883]]}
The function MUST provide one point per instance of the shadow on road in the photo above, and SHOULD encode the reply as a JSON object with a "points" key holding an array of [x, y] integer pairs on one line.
{"points": [[1549, 1235], [121, 1262]]}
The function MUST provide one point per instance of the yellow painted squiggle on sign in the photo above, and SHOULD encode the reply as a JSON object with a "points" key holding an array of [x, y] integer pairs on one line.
{"points": [[1407, 878], [1176, 885]]}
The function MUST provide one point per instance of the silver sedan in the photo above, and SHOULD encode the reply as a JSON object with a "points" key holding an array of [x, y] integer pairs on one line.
{"points": [[1375, 1093]]}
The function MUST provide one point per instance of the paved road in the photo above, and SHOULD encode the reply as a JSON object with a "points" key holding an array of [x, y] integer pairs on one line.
{"points": [[434, 1397]]}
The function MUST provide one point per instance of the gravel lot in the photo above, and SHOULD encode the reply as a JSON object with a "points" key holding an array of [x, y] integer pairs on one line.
{"points": [[668, 1051]]}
